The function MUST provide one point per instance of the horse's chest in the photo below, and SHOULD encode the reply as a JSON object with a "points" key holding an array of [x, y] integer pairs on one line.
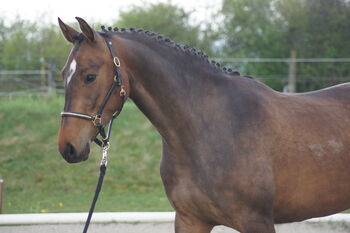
{"points": [[187, 197], [190, 194]]}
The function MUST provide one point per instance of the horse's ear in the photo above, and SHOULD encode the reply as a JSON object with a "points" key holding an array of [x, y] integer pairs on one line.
{"points": [[69, 33], [87, 31]]}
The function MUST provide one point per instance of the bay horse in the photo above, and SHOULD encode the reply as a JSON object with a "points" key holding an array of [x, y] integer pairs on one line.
{"points": [[235, 152]]}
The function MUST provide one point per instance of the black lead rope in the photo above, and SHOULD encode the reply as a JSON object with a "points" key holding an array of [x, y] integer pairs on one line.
{"points": [[103, 168], [98, 189]]}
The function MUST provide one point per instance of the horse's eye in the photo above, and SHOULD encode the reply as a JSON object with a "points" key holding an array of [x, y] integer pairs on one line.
{"points": [[90, 78]]}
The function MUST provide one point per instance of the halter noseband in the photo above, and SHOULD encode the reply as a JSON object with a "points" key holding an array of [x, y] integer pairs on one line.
{"points": [[97, 119]]}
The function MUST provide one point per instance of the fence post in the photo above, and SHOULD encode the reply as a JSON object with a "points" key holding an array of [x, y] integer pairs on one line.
{"points": [[1, 192], [50, 77], [292, 72], [42, 73]]}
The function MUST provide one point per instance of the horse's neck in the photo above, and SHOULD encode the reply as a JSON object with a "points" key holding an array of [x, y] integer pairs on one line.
{"points": [[169, 100]]}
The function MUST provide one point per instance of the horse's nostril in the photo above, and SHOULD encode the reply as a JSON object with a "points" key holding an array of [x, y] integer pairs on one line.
{"points": [[69, 151], [70, 148], [72, 155]]}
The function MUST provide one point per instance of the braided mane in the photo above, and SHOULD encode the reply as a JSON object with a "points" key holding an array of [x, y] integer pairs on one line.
{"points": [[165, 40]]}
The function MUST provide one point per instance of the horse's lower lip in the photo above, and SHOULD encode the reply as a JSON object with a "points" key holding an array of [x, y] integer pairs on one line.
{"points": [[77, 160]]}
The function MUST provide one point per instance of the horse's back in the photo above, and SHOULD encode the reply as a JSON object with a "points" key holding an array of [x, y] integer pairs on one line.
{"points": [[340, 92]]}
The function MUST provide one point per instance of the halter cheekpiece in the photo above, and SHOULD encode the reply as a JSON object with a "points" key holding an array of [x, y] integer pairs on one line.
{"points": [[97, 119]]}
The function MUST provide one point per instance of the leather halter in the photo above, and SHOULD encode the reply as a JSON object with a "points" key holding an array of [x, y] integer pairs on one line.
{"points": [[97, 119]]}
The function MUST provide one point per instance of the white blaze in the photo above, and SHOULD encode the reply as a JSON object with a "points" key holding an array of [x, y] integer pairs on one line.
{"points": [[72, 68]]}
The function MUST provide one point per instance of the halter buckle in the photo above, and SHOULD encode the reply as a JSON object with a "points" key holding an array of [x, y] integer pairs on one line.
{"points": [[97, 121]]}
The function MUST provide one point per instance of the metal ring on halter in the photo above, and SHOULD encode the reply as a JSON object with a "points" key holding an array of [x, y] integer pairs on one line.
{"points": [[116, 61], [97, 120], [122, 92]]}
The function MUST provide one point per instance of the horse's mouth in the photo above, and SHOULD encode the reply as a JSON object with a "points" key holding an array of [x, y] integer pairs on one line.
{"points": [[71, 155]]}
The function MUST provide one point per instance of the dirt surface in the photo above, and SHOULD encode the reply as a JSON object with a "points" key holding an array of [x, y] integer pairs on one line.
{"points": [[305, 227]]}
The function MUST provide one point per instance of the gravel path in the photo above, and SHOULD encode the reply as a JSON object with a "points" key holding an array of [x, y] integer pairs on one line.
{"points": [[304, 227]]}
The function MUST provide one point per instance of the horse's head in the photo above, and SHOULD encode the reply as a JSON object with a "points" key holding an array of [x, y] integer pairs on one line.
{"points": [[88, 75]]}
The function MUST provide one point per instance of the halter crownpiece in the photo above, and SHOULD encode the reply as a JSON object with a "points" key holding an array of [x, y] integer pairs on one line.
{"points": [[97, 119]]}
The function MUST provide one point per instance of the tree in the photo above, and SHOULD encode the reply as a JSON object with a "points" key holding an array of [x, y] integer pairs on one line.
{"points": [[169, 20], [273, 28], [317, 29], [250, 31], [24, 45]]}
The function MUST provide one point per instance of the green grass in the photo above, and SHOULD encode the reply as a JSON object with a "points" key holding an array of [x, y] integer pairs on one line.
{"points": [[37, 179]]}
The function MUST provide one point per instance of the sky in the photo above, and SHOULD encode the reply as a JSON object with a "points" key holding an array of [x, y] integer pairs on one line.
{"points": [[103, 11]]}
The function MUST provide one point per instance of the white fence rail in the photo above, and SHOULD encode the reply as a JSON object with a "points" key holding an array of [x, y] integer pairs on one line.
{"points": [[28, 82], [118, 217], [286, 60]]}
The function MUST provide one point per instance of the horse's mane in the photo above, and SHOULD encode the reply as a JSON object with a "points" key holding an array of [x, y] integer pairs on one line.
{"points": [[167, 41]]}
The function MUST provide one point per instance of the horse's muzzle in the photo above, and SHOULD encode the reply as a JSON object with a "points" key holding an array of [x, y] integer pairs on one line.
{"points": [[71, 155]]}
